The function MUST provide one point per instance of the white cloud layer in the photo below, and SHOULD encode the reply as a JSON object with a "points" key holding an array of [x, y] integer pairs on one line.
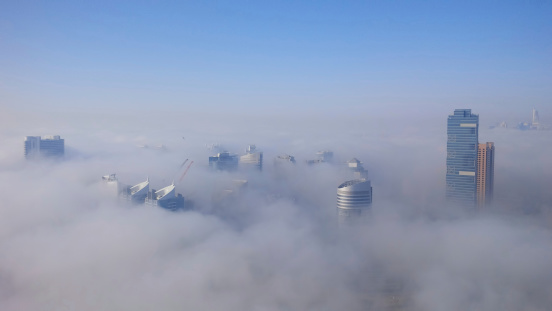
{"points": [[65, 244]]}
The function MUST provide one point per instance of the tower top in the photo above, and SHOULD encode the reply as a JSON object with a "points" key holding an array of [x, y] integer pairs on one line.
{"points": [[463, 113]]}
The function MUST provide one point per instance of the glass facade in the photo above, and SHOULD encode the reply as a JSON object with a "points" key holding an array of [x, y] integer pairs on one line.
{"points": [[462, 145], [50, 146], [224, 161]]}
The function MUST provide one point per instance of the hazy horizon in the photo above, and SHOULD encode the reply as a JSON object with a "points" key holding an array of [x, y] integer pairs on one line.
{"points": [[368, 80]]}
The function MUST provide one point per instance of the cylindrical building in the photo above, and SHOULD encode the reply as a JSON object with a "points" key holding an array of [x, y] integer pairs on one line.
{"points": [[354, 197]]}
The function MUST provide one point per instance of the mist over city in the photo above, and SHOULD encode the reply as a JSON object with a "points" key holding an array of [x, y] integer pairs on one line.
{"points": [[284, 156]]}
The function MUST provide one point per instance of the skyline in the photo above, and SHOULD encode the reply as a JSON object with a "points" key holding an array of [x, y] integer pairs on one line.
{"points": [[355, 142], [273, 247], [336, 90]]}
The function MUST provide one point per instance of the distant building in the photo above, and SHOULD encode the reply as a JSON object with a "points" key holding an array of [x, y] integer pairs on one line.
{"points": [[230, 192], [325, 156], [535, 123], [485, 173], [284, 158], [284, 166], [462, 146], [137, 193], [224, 161], [49, 146], [166, 198], [354, 198], [355, 166], [252, 158], [157, 147], [112, 184]]}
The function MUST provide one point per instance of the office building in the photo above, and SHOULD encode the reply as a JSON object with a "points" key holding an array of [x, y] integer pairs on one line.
{"points": [[224, 161], [252, 158], [284, 159], [324, 156], [355, 166], [165, 198], [137, 193], [229, 192], [354, 198], [462, 146], [112, 184], [535, 123], [485, 173], [49, 146], [284, 166]]}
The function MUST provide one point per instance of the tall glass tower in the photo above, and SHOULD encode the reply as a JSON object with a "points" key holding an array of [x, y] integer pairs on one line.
{"points": [[49, 146], [462, 145]]}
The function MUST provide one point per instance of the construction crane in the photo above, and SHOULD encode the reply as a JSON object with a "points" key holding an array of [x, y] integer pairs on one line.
{"points": [[179, 168], [181, 165], [186, 171]]}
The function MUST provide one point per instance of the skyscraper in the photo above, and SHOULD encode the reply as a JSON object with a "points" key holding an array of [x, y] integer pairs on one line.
{"points": [[535, 122], [224, 161], [462, 146], [136, 193], [485, 173], [355, 166], [252, 158], [166, 198], [354, 198], [50, 146]]}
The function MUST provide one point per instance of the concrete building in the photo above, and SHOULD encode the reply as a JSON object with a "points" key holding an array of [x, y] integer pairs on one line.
{"points": [[355, 166], [354, 198], [485, 173], [49, 146], [229, 192], [252, 158], [112, 184], [224, 161], [284, 167], [324, 156], [462, 146]]}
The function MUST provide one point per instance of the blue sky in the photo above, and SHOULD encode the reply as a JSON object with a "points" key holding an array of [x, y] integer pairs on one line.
{"points": [[376, 56]]}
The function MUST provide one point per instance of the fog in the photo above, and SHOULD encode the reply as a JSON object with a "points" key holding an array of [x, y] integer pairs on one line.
{"points": [[67, 243]]}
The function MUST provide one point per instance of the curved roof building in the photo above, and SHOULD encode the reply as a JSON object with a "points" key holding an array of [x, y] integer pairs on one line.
{"points": [[354, 197], [166, 198], [140, 189], [165, 193], [137, 193]]}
